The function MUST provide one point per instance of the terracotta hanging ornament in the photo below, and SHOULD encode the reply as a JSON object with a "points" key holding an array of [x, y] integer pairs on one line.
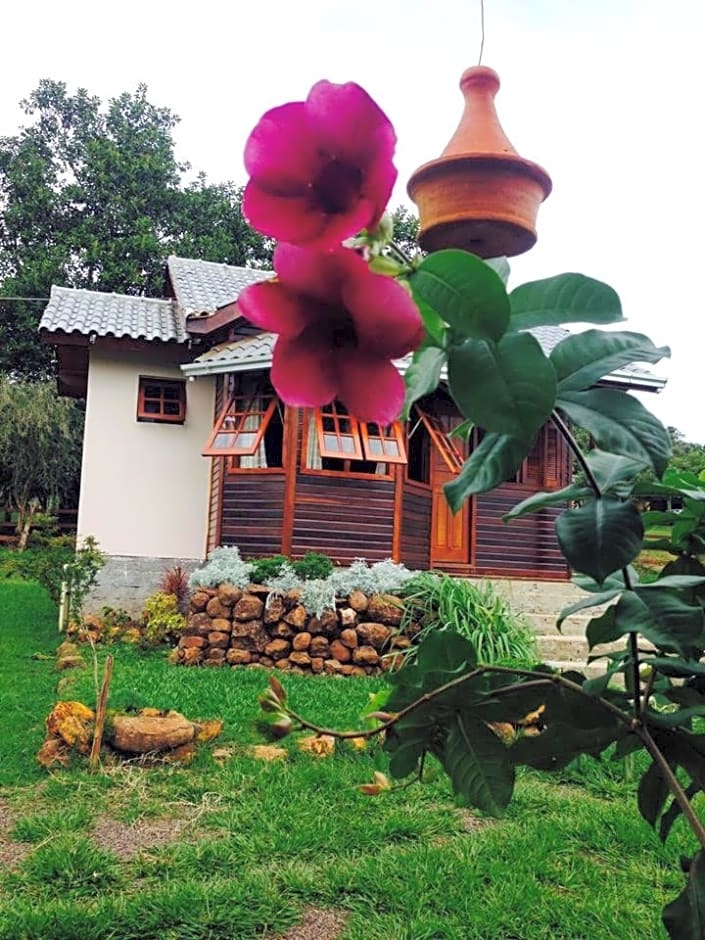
{"points": [[479, 195]]}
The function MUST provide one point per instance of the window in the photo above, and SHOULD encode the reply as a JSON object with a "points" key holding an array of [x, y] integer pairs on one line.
{"points": [[250, 428], [447, 447], [338, 442], [161, 400]]}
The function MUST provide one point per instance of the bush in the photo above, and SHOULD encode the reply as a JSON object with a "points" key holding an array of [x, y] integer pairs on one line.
{"points": [[224, 566], [312, 566], [475, 611], [162, 621], [265, 568]]}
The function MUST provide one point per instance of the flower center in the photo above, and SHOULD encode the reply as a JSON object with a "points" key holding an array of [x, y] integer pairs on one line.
{"points": [[343, 335], [337, 186]]}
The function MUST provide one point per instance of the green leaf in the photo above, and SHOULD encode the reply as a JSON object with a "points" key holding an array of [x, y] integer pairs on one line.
{"points": [[565, 298], [506, 388], [684, 918], [583, 359], [496, 459], [619, 424], [674, 581], [423, 375], [603, 629], [464, 291], [541, 500], [674, 811], [614, 473], [560, 743], [675, 667], [652, 794], [477, 763], [664, 618], [594, 600], [500, 266], [600, 537], [434, 324], [407, 743]]}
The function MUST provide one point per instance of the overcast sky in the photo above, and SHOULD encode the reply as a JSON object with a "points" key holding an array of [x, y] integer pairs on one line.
{"points": [[607, 95]]}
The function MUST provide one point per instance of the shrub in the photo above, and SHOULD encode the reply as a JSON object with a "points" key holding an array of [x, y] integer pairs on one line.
{"points": [[175, 581], [286, 580], [313, 565], [224, 566], [475, 611], [162, 621], [265, 568], [383, 577]]}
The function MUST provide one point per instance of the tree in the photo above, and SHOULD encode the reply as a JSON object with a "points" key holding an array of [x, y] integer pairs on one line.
{"points": [[406, 230], [686, 455], [40, 448], [94, 197]]}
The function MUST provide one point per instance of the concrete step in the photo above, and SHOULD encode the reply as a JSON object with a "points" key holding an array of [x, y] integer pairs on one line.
{"points": [[591, 670]]}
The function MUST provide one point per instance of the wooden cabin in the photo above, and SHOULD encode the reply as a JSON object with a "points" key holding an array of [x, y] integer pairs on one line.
{"points": [[187, 447]]}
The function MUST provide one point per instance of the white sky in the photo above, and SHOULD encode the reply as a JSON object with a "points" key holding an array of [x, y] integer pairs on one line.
{"points": [[605, 94]]}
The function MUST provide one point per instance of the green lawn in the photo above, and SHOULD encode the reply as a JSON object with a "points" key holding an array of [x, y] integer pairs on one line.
{"points": [[255, 845]]}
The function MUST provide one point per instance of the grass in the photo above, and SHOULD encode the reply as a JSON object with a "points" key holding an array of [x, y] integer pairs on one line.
{"points": [[262, 842]]}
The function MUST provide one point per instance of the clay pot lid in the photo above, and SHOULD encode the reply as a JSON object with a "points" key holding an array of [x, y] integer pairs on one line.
{"points": [[480, 194]]}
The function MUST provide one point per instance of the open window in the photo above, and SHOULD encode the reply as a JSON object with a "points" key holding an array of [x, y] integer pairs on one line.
{"points": [[161, 401], [250, 428], [337, 442], [447, 447]]}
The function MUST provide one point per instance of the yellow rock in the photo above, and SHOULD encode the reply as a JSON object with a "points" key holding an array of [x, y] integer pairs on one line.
{"points": [[266, 752], [319, 745], [73, 723], [209, 729]]}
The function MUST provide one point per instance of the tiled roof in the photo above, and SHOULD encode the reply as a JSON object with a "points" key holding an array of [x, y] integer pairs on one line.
{"points": [[255, 352], [202, 287], [240, 355], [119, 315]]}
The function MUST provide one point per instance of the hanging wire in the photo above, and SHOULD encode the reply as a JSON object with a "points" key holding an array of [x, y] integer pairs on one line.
{"points": [[482, 30]]}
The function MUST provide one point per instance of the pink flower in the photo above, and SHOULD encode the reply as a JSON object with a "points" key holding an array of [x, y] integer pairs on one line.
{"points": [[321, 169], [339, 326]]}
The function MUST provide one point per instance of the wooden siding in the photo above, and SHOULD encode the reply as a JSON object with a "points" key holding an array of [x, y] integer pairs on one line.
{"points": [[344, 517], [253, 512], [416, 527], [527, 544]]}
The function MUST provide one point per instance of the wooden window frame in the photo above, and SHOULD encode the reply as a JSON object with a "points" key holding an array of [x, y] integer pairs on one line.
{"points": [[361, 436], [331, 413], [393, 432], [448, 449], [233, 411], [160, 417]]}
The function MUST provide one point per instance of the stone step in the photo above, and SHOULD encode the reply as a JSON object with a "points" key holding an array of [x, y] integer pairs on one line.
{"points": [[591, 670], [545, 623]]}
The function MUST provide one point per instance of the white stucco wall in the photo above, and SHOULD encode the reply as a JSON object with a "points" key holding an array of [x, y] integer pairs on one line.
{"points": [[144, 486]]}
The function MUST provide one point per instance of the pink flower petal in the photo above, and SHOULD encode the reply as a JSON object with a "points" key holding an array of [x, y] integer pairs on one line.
{"points": [[350, 123], [281, 153], [303, 372], [272, 307], [293, 219], [317, 273], [387, 320], [370, 388]]}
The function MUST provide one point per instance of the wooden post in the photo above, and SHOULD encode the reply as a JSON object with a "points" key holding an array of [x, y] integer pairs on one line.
{"points": [[100, 711]]}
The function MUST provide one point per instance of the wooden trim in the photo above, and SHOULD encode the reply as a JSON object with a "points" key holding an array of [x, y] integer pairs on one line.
{"points": [[231, 425], [343, 427], [161, 400], [292, 418], [448, 449], [389, 439], [203, 325], [348, 474], [398, 513], [472, 525]]}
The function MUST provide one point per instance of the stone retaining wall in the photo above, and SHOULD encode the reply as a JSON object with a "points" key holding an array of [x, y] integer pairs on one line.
{"points": [[231, 627]]}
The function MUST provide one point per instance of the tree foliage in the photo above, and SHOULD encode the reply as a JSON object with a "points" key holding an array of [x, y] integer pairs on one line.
{"points": [[40, 446], [94, 197]]}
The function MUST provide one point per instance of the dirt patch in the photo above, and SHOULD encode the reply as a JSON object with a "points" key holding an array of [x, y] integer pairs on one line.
{"points": [[472, 823], [11, 853], [316, 925], [127, 841]]}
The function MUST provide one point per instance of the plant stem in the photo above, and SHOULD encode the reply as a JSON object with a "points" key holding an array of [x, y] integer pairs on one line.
{"points": [[570, 440], [672, 783]]}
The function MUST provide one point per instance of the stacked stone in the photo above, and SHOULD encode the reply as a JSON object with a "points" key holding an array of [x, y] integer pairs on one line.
{"points": [[232, 627]]}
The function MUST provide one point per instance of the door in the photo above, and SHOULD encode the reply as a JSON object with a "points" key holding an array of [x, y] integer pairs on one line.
{"points": [[450, 534]]}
